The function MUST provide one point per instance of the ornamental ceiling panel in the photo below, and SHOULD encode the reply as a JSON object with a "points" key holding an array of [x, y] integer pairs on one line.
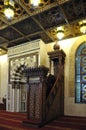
{"points": [[30, 23], [51, 18], [9, 33], [27, 26], [2, 40], [75, 10]]}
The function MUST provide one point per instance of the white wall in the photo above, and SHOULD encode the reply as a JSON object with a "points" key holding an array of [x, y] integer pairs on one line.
{"points": [[3, 76]]}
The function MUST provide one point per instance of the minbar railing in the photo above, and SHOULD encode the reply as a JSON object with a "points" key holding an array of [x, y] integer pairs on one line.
{"points": [[36, 96], [43, 107]]}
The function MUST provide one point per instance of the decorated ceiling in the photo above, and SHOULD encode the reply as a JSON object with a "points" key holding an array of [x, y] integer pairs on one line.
{"points": [[31, 23]]}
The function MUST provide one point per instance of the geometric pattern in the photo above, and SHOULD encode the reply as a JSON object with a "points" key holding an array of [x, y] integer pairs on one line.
{"points": [[35, 96], [18, 65], [81, 74], [30, 23]]}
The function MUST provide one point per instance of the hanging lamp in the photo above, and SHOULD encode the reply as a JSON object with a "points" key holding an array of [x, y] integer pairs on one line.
{"points": [[9, 9], [35, 3], [83, 26], [60, 32]]}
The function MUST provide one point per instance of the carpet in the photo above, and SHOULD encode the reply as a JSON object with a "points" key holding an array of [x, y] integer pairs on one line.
{"points": [[13, 121]]}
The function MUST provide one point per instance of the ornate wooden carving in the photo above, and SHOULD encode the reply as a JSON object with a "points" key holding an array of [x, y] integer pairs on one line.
{"points": [[42, 108], [57, 57], [55, 99], [36, 95]]}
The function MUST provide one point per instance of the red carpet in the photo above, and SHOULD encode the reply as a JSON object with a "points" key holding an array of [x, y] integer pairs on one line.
{"points": [[13, 121]]}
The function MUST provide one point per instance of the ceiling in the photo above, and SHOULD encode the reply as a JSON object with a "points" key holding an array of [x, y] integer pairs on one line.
{"points": [[41, 23]]}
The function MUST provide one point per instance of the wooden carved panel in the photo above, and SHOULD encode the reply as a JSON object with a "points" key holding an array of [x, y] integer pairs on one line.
{"points": [[35, 100]]}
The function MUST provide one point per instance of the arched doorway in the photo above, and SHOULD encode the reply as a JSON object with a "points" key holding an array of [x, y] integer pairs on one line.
{"points": [[17, 90]]}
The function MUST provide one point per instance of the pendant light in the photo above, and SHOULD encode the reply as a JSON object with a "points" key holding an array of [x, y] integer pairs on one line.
{"points": [[9, 9]]}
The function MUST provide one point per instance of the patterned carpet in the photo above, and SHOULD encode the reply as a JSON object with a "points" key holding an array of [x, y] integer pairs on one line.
{"points": [[13, 121]]}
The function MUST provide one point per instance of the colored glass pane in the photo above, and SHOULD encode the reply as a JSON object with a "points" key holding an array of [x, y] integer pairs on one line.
{"points": [[80, 74]]}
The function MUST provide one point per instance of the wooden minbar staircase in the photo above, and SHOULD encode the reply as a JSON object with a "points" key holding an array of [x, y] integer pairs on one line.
{"points": [[45, 100]]}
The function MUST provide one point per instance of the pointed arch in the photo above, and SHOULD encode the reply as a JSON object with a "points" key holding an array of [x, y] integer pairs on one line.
{"points": [[80, 74], [72, 53], [18, 76]]}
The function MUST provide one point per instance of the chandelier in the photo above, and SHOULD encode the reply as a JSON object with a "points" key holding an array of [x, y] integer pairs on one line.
{"points": [[9, 9]]}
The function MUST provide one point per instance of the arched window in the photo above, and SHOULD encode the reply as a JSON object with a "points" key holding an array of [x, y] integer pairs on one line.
{"points": [[80, 74]]}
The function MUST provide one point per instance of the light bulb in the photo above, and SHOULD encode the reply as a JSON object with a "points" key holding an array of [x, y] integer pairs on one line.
{"points": [[9, 13], [9, 8], [60, 34], [83, 28], [35, 2]]}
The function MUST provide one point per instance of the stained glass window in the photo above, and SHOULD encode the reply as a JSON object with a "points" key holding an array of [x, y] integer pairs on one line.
{"points": [[80, 74]]}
